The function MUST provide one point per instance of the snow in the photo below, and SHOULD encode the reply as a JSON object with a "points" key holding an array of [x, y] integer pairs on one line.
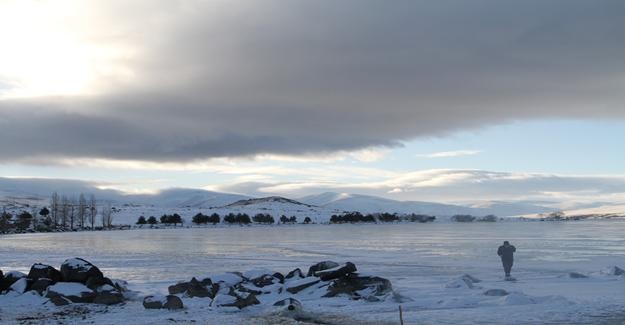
{"points": [[419, 260], [76, 263], [69, 289], [15, 274], [228, 279], [255, 273], [20, 285], [156, 298], [106, 287]]}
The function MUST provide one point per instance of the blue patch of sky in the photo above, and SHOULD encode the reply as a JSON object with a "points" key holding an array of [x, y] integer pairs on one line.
{"points": [[547, 146]]}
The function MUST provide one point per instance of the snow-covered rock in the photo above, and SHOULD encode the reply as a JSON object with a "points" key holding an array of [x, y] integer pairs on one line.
{"points": [[9, 278], [325, 265], [20, 285], [516, 298], [496, 292], [38, 271], [575, 275], [613, 270], [464, 281], [79, 270], [290, 305], [75, 292], [41, 285], [227, 279]]}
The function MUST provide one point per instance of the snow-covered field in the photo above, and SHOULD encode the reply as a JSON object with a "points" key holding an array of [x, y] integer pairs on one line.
{"points": [[423, 261]]}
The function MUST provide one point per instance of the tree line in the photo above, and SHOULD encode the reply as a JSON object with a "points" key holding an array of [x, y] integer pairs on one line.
{"points": [[357, 217], [215, 218]]}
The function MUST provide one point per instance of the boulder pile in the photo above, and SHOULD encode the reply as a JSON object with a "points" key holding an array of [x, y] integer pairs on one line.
{"points": [[77, 281], [240, 290]]}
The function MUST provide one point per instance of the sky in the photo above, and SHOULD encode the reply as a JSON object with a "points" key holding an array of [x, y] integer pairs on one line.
{"points": [[446, 101]]}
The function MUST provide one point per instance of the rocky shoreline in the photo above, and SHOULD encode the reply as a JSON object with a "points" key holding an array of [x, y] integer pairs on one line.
{"points": [[78, 281]]}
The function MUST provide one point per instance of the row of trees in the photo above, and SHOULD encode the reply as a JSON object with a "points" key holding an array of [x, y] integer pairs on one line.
{"points": [[471, 218], [356, 217], [231, 218]]}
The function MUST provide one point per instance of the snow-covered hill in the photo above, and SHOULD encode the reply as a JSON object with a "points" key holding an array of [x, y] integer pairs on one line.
{"points": [[372, 204], [268, 200], [27, 194], [187, 198]]}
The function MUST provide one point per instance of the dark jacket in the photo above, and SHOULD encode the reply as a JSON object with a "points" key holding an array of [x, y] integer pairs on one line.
{"points": [[506, 252]]}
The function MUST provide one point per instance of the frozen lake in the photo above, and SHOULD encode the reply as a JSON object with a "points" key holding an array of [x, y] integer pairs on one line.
{"points": [[418, 258]]}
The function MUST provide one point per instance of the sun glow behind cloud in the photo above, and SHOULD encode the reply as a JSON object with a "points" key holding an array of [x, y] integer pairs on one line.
{"points": [[44, 52]]}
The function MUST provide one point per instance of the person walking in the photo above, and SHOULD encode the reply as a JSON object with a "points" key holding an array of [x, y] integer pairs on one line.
{"points": [[506, 252]]}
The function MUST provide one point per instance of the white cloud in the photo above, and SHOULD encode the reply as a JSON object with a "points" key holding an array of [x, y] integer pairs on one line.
{"points": [[448, 185], [449, 154]]}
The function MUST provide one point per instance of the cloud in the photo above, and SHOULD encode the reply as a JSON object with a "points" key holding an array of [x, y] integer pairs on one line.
{"points": [[447, 185], [193, 80], [437, 185], [449, 154]]}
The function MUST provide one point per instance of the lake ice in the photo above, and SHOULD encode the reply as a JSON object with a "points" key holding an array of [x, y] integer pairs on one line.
{"points": [[421, 260]]}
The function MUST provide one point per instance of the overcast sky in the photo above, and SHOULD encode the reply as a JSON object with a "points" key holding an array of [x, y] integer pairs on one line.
{"points": [[419, 100]]}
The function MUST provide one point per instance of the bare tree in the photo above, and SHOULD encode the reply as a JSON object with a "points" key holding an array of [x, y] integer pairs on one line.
{"points": [[82, 206], [107, 215], [35, 213], [93, 210], [72, 212], [54, 207], [64, 210]]}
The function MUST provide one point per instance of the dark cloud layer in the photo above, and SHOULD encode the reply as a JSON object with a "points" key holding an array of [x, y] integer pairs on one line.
{"points": [[216, 79]]}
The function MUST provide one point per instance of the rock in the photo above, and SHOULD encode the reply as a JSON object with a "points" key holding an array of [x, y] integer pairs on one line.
{"points": [[615, 270], [158, 302], [242, 302], [337, 272], [464, 281], [223, 299], [264, 280], [20, 286], [496, 292], [60, 301], [41, 284], [93, 282], [295, 274], [9, 278], [153, 302], [79, 270], [290, 304], [75, 292], [228, 279], [352, 283], [120, 285], [106, 288], [471, 278], [173, 303], [38, 271], [242, 287], [575, 275], [299, 285], [196, 289], [108, 298], [178, 288], [321, 266], [279, 276]]}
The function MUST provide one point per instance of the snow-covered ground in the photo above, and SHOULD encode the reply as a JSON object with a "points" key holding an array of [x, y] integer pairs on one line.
{"points": [[425, 262]]}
